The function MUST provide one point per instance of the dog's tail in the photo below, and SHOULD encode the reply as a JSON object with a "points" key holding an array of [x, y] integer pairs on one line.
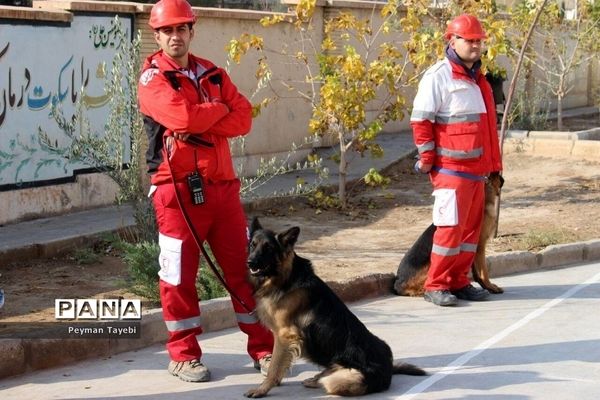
{"points": [[408, 369]]}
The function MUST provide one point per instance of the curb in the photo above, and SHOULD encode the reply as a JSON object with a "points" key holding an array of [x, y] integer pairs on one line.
{"points": [[18, 356], [581, 144]]}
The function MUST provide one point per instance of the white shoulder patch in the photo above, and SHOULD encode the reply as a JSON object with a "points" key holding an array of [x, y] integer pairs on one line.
{"points": [[147, 75]]}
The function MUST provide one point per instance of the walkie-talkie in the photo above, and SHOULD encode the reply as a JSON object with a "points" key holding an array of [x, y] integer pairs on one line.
{"points": [[196, 189]]}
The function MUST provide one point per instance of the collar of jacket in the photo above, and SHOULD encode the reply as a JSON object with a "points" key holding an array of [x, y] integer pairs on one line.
{"points": [[164, 63], [459, 69]]}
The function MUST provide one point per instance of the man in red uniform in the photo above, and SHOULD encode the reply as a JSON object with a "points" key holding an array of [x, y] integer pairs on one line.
{"points": [[190, 110], [454, 129]]}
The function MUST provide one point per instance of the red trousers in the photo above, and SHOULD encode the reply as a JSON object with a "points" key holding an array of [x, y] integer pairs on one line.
{"points": [[454, 247], [222, 223]]}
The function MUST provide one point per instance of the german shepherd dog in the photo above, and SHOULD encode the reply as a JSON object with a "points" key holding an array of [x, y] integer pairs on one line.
{"points": [[309, 320], [412, 271]]}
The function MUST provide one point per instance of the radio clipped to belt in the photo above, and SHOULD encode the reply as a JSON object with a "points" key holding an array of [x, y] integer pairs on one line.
{"points": [[194, 181], [196, 189]]}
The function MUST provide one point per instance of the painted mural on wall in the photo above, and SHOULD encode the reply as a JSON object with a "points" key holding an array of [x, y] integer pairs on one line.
{"points": [[46, 66]]}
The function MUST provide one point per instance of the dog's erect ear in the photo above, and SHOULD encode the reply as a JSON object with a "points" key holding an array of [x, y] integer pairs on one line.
{"points": [[255, 226], [289, 237]]}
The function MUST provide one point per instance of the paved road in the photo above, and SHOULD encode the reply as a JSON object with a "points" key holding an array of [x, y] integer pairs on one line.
{"points": [[539, 340]]}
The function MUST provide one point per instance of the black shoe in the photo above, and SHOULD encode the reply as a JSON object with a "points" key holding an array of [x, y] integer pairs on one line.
{"points": [[440, 298], [471, 293]]}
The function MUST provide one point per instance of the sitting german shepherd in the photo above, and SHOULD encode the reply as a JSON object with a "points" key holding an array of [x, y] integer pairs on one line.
{"points": [[308, 320], [413, 268]]}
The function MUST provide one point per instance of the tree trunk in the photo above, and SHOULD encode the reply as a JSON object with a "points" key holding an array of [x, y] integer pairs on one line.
{"points": [[559, 102], [559, 113], [343, 170]]}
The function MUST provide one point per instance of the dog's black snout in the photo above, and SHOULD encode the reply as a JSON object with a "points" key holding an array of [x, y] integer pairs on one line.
{"points": [[251, 263]]}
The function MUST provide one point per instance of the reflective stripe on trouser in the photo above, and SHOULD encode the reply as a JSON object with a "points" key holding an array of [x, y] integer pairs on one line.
{"points": [[221, 221], [454, 247]]}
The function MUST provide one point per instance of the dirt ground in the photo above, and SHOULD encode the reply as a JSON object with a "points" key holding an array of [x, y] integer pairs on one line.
{"points": [[544, 201]]}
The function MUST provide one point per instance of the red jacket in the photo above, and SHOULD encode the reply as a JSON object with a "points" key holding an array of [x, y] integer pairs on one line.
{"points": [[208, 106], [454, 120]]}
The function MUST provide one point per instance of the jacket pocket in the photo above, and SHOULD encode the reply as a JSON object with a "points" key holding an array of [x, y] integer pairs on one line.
{"points": [[462, 140]]}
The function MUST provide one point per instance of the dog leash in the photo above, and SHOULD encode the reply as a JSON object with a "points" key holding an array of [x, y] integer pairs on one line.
{"points": [[196, 237]]}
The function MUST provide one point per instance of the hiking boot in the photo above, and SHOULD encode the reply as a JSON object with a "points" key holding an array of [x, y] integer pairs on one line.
{"points": [[189, 371], [471, 293], [263, 364], [440, 298]]}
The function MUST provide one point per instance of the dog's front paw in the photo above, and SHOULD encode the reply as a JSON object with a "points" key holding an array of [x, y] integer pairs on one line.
{"points": [[256, 393]]}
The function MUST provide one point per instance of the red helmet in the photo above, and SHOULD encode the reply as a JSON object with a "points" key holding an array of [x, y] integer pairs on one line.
{"points": [[171, 12], [466, 26]]}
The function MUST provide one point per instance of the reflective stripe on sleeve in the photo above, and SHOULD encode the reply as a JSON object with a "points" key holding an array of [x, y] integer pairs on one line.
{"points": [[420, 115], [425, 147]]}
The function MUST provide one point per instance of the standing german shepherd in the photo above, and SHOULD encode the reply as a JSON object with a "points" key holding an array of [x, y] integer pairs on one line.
{"points": [[413, 268], [308, 320]]}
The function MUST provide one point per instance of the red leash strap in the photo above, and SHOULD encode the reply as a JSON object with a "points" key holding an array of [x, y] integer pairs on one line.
{"points": [[199, 243]]}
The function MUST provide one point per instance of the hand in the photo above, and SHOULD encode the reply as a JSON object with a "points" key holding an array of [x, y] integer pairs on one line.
{"points": [[423, 168], [170, 140], [181, 136]]}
